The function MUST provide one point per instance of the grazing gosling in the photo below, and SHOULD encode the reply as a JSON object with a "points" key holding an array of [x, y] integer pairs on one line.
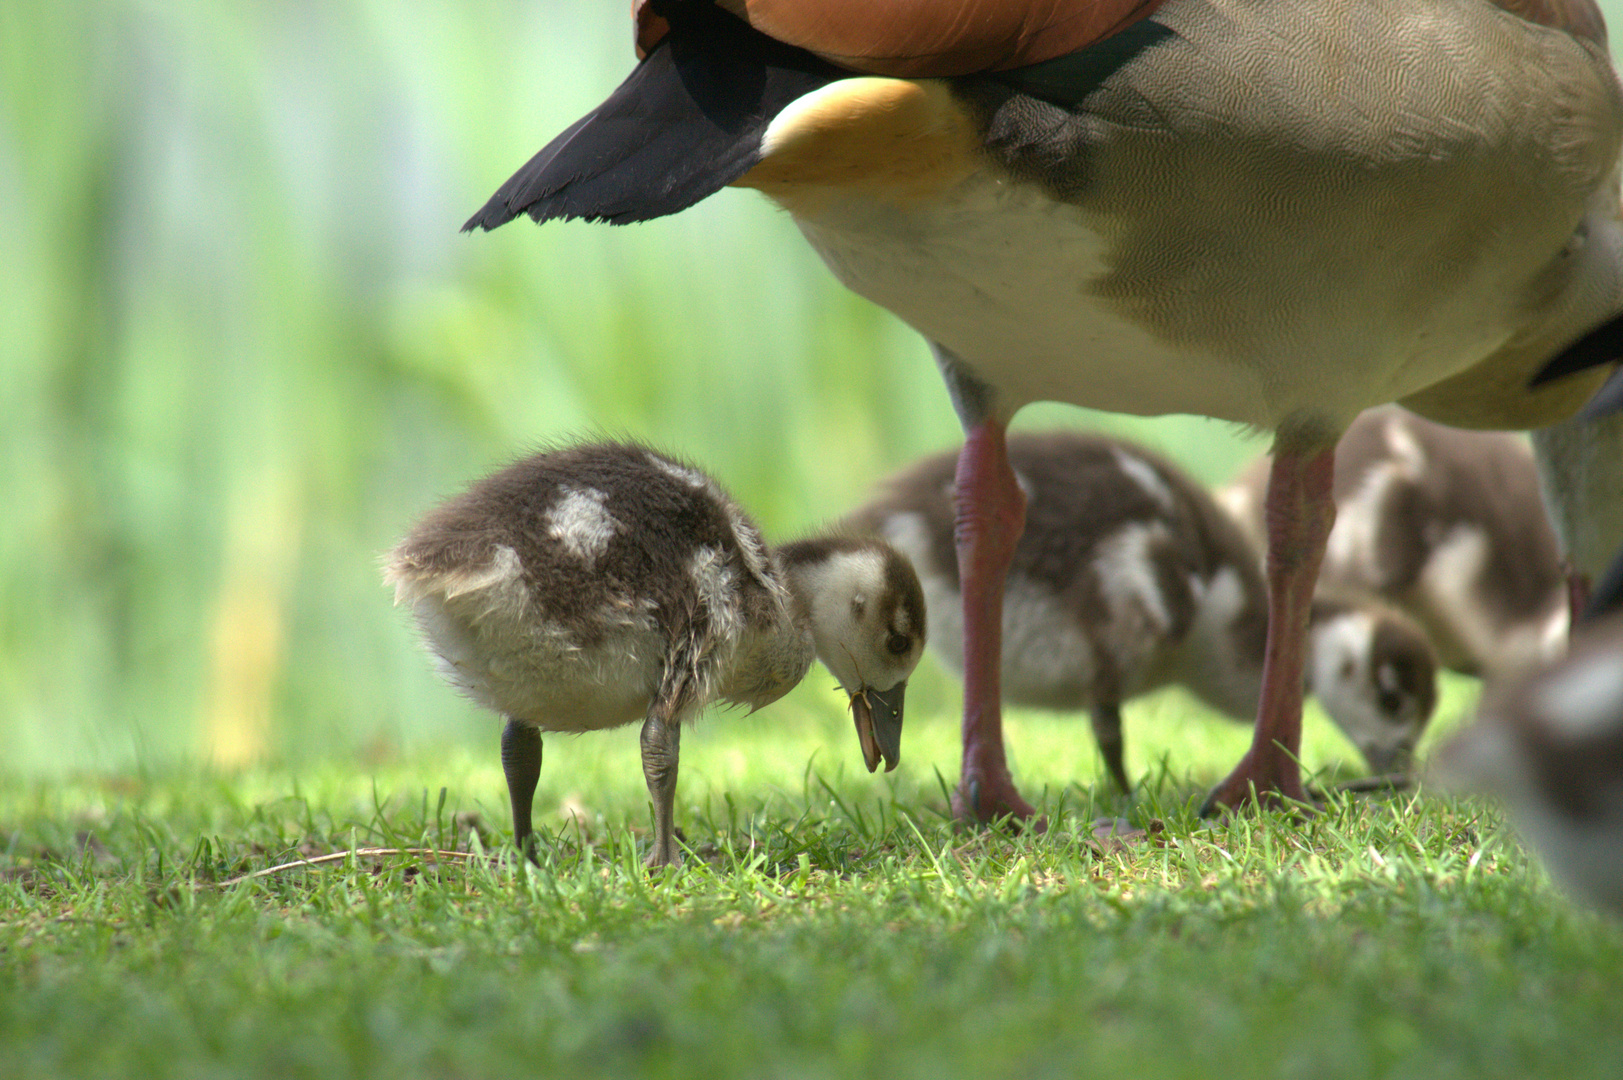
{"points": [[589, 587], [1550, 742], [1446, 524], [1550, 745], [1127, 578]]}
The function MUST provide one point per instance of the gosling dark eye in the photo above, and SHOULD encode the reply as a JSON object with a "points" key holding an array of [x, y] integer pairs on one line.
{"points": [[898, 644]]}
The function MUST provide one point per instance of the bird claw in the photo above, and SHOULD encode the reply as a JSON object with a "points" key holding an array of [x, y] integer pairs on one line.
{"points": [[993, 803]]}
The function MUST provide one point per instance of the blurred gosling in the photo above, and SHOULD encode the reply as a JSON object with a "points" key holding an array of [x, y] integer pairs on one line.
{"points": [[1446, 524], [1128, 577]]}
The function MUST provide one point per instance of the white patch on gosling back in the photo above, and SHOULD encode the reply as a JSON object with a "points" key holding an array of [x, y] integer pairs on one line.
{"points": [[504, 569], [579, 522], [1145, 476], [1551, 638], [693, 478], [1584, 699], [1241, 504], [1352, 542], [909, 533], [713, 579], [1125, 566], [1455, 586], [754, 548], [1450, 586], [1404, 446], [749, 540], [1135, 625], [1353, 539], [1211, 666]]}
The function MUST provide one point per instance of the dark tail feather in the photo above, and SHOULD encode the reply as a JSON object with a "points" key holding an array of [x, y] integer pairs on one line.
{"points": [[687, 122], [1602, 345]]}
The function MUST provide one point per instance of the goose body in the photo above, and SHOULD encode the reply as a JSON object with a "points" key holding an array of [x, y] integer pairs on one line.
{"points": [[1446, 524], [1049, 261], [1276, 214], [603, 584], [1128, 577]]}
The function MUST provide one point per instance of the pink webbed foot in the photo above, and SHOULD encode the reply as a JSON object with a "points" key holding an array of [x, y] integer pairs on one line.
{"points": [[986, 796], [1272, 779]]}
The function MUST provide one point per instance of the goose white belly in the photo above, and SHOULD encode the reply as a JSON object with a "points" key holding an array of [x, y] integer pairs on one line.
{"points": [[1239, 233], [1019, 287], [999, 276]]}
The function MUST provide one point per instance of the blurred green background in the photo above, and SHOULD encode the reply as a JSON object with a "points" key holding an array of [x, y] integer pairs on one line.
{"points": [[242, 346]]}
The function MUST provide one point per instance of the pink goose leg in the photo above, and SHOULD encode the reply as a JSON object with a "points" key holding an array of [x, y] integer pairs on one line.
{"points": [[1300, 511], [991, 516]]}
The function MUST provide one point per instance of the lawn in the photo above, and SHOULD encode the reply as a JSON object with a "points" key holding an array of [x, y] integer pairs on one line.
{"points": [[826, 924]]}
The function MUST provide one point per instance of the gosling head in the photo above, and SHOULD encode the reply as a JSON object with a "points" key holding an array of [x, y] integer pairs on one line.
{"points": [[1375, 673], [867, 620]]}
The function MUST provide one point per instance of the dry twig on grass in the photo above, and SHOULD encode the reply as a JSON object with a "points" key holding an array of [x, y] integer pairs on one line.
{"points": [[367, 852]]}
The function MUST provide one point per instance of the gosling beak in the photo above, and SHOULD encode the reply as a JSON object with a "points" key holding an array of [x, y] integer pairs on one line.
{"points": [[879, 724]]}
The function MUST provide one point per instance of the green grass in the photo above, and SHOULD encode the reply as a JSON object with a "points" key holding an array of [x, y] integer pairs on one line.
{"points": [[830, 924]]}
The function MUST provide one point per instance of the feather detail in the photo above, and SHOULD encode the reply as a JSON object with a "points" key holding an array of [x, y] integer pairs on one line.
{"points": [[918, 38], [1580, 18]]}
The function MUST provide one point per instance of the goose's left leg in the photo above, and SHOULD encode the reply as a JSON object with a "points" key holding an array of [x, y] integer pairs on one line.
{"points": [[991, 513], [1300, 511]]}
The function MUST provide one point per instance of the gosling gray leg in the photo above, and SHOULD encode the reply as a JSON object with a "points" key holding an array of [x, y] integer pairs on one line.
{"points": [[521, 761], [1107, 730], [661, 746]]}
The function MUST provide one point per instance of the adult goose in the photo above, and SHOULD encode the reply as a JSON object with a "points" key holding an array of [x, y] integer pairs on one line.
{"points": [[1276, 214]]}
